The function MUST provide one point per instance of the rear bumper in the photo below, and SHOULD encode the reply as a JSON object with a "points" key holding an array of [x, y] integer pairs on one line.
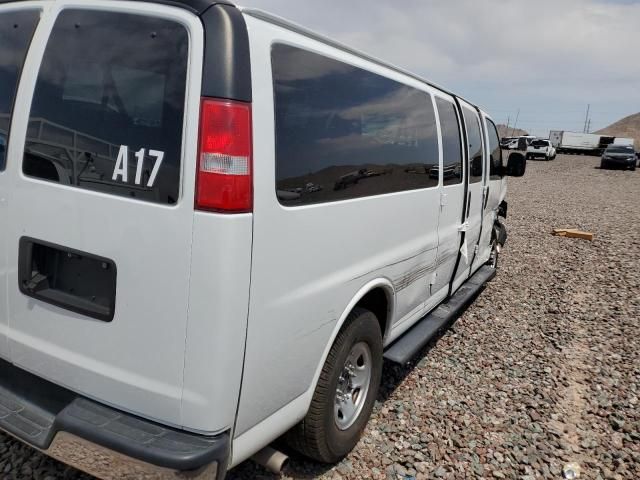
{"points": [[100, 440], [619, 162]]}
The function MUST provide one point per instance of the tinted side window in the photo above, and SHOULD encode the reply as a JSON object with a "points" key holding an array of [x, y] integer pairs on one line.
{"points": [[451, 144], [108, 105], [474, 136], [343, 132], [16, 30], [495, 170]]}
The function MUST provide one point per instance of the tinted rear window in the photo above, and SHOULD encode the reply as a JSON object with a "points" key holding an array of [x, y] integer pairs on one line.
{"points": [[628, 150], [108, 106], [343, 132], [16, 30], [540, 143]]}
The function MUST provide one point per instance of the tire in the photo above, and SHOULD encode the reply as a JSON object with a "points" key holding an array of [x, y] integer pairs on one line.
{"points": [[318, 435], [633, 167], [603, 165]]}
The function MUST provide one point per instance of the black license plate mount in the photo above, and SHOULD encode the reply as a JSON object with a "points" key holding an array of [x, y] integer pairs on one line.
{"points": [[68, 278]]}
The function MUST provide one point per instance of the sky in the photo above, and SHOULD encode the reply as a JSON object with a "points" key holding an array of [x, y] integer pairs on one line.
{"points": [[547, 59]]}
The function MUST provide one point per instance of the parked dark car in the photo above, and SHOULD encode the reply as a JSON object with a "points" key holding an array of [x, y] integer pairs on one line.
{"points": [[619, 156]]}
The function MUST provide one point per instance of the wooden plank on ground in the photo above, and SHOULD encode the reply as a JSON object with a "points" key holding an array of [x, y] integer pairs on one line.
{"points": [[572, 233]]}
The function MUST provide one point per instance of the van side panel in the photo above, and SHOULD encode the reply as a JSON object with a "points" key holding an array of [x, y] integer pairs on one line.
{"points": [[310, 261]]}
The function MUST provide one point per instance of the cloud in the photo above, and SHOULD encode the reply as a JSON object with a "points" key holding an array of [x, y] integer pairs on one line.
{"points": [[549, 58]]}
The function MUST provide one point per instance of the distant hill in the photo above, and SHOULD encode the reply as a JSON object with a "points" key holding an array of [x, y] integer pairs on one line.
{"points": [[503, 131], [627, 127]]}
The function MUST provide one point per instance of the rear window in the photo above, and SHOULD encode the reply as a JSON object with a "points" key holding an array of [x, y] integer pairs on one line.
{"points": [[628, 150], [108, 107], [540, 143], [16, 30], [343, 132]]}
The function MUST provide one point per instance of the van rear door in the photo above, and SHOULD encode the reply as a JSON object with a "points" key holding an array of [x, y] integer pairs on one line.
{"points": [[16, 29], [99, 228]]}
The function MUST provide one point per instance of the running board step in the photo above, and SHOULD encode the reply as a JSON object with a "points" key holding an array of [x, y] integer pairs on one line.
{"points": [[412, 341]]}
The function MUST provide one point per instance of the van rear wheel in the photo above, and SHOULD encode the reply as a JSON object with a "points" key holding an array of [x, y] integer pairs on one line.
{"points": [[345, 394]]}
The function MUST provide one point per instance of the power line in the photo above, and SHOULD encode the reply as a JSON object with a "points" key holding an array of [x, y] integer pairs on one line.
{"points": [[515, 123], [586, 118]]}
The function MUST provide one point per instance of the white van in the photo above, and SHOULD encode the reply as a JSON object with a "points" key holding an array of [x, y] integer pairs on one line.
{"points": [[215, 226]]}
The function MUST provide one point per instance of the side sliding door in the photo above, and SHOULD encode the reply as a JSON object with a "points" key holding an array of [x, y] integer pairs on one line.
{"points": [[472, 225], [494, 191], [452, 190]]}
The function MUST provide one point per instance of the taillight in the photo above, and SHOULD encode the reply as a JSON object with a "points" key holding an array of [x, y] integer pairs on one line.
{"points": [[224, 177]]}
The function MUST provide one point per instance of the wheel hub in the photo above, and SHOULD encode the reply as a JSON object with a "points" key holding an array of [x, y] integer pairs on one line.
{"points": [[353, 386]]}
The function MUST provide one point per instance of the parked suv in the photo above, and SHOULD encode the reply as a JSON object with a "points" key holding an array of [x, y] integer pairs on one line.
{"points": [[619, 156], [541, 149], [205, 248]]}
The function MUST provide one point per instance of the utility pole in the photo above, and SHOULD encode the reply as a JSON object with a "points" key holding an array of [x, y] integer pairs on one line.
{"points": [[586, 119], [589, 126], [516, 123]]}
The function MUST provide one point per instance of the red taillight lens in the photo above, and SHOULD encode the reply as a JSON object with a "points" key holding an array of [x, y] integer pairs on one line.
{"points": [[224, 177]]}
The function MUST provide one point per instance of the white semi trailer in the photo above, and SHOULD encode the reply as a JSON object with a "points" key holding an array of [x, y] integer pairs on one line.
{"points": [[585, 143], [629, 142]]}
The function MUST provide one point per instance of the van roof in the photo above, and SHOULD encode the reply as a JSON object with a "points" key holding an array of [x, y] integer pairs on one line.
{"points": [[196, 6], [199, 6], [281, 22]]}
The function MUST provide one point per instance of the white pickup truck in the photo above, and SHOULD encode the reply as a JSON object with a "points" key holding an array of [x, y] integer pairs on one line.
{"points": [[541, 148]]}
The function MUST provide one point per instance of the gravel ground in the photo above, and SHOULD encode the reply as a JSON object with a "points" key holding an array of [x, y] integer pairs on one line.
{"points": [[542, 370]]}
